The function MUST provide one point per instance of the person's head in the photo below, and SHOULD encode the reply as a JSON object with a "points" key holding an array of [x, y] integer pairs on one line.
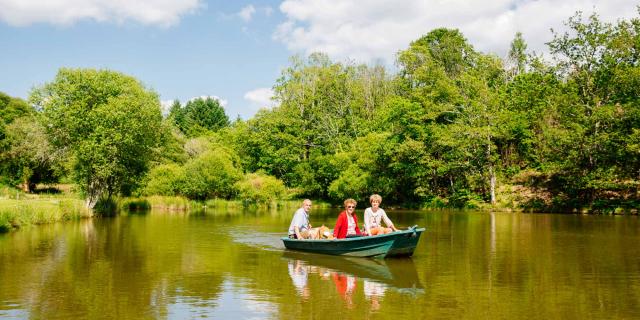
{"points": [[350, 205], [306, 205], [375, 200]]}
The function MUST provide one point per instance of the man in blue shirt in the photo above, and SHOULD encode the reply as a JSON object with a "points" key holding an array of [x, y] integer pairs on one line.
{"points": [[299, 228]]}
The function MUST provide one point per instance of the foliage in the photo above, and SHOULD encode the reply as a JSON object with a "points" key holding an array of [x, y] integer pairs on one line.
{"points": [[210, 174], [164, 180], [199, 116], [29, 158], [106, 122], [260, 188], [12, 108]]}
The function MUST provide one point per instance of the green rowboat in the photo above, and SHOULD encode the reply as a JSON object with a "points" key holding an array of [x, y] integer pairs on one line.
{"points": [[395, 244]]}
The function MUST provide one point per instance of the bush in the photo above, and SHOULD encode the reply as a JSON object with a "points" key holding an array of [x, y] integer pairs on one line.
{"points": [[164, 180], [6, 219], [465, 199], [212, 174], [135, 204], [260, 188]]}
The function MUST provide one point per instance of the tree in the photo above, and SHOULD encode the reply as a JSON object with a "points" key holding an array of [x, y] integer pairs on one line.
{"points": [[517, 58], [199, 116], [13, 108], [597, 114], [107, 122], [453, 91], [29, 158], [17, 123]]}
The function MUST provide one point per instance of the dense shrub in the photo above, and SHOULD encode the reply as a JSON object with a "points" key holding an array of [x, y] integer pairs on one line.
{"points": [[212, 174], [164, 180], [260, 188]]}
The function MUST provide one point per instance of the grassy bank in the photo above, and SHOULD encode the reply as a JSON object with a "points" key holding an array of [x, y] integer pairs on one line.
{"points": [[18, 213], [166, 203]]}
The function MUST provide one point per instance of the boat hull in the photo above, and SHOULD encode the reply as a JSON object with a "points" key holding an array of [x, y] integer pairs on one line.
{"points": [[395, 244]]}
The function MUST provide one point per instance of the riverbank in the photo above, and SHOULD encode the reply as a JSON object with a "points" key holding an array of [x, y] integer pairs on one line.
{"points": [[19, 210]]}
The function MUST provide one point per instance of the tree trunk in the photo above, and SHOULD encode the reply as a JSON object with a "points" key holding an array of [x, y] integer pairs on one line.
{"points": [[94, 191], [492, 174], [25, 185], [492, 184]]}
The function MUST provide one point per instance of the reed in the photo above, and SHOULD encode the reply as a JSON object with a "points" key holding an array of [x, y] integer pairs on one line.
{"points": [[134, 204], [170, 203], [20, 213]]}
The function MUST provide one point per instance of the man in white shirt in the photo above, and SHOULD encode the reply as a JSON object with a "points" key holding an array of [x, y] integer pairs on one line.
{"points": [[299, 228]]}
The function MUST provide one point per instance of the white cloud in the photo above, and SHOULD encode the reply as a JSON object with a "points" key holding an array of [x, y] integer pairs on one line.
{"points": [[247, 12], [66, 12], [377, 29], [257, 99], [260, 96], [165, 106]]}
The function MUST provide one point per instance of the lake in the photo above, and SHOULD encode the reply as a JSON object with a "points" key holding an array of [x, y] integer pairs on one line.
{"points": [[225, 264]]}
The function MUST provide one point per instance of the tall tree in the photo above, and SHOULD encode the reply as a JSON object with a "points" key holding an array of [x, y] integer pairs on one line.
{"points": [[458, 89], [517, 57], [107, 122], [599, 65]]}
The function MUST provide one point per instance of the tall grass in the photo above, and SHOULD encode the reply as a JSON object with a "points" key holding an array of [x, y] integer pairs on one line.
{"points": [[170, 203], [19, 213]]}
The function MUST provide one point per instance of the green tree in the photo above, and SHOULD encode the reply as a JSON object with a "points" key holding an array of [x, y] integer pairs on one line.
{"points": [[324, 106], [199, 116], [517, 57], [107, 122], [598, 110], [30, 158], [453, 95], [12, 108]]}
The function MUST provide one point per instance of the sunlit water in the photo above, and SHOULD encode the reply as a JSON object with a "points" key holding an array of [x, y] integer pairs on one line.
{"points": [[232, 265]]}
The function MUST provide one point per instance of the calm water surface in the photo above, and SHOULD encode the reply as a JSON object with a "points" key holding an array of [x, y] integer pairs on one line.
{"points": [[230, 264]]}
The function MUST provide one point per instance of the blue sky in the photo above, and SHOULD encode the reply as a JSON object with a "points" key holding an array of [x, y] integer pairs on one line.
{"points": [[235, 50]]}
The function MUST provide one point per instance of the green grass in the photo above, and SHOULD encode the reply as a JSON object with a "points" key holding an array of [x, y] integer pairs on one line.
{"points": [[20, 213], [170, 203]]}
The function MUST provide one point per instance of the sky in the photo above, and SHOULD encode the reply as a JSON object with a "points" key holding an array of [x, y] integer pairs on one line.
{"points": [[235, 50]]}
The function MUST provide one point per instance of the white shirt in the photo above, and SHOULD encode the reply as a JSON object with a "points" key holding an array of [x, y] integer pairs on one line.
{"points": [[374, 219], [300, 219], [351, 225]]}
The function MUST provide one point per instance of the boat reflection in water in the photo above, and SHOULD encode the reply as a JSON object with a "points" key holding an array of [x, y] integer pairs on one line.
{"points": [[374, 277]]}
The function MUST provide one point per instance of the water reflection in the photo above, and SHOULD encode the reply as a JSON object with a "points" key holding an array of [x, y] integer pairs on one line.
{"points": [[299, 273], [346, 285], [374, 291], [370, 278]]}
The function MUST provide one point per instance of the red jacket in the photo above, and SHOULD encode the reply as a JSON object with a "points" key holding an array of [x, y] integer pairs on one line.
{"points": [[340, 230]]}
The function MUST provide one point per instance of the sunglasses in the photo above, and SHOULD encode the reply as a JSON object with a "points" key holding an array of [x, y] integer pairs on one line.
{"points": [[350, 207]]}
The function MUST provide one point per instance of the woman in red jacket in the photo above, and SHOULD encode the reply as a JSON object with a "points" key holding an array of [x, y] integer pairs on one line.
{"points": [[347, 224]]}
